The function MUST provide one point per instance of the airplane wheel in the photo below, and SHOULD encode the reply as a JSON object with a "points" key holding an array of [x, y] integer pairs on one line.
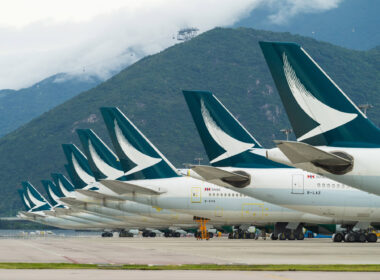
{"points": [[210, 235], [166, 234], [361, 238], [300, 236], [152, 234], [349, 237], [371, 237], [338, 237], [273, 237], [145, 234], [291, 236], [282, 236], [230, 235], [176, 234]]}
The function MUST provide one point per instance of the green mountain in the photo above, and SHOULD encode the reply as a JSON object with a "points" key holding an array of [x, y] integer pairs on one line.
{"points": [[225, 61], [18, 107]]}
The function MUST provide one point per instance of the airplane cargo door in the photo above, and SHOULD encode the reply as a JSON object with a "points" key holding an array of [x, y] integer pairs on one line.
{"points": [[297, 184], [195, 195]]}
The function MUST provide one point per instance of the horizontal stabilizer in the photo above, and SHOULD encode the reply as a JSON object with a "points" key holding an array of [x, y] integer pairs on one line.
{"points": [[96, 194], [298, 153], [71, 201], [237, 179], [122, 187], [30, 214], [63, 211]]}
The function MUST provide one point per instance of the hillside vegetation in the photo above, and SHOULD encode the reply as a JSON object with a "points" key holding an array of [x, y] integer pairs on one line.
{"points": [[18, 107], [225, 61]]}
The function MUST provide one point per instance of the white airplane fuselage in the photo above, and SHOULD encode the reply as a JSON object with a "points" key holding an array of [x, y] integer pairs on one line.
{"points": [[365, 174], [220, 205], [304, 191], [59, 222], [135, 213]]}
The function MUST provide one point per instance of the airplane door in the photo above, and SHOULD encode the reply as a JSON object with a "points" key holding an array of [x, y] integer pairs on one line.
{"points": [[297, 184], [218, 211], [196, 195]]}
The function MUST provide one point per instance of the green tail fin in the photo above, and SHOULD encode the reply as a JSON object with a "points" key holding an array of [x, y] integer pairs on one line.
{"points": [[139, 158], [226, 141], [319, 111], [103, 162]]}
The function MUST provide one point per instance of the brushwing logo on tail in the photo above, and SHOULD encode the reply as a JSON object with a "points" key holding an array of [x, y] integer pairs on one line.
{"points": [[38, 203], [26, 201], [53, 195], [83, 175], [106, 169], [141, 160], [65, 192], [327, 117], [231, 145]]}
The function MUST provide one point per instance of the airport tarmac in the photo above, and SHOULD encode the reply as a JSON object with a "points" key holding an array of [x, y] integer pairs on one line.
{"points": [[185, 250], [10, 274]]}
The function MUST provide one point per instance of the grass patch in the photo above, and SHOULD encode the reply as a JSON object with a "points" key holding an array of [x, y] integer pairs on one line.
{"points": [[286, 267]]}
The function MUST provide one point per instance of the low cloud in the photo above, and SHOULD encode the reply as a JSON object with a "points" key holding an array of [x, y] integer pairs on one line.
{"points": [[286, 9], [106, 38]]}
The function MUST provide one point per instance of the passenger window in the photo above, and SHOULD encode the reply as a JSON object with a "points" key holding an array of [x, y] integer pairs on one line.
{"points": [[319, 185], [323, 185]]}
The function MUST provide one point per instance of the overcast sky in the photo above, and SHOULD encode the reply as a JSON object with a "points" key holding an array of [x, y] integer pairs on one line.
{"points": [[40, 38]]}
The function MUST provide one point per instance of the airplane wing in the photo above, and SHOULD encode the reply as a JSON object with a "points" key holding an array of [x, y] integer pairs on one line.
{"points": [[62, 211], [121, 187], [299, 153], [222, 177], [30, 214], [96, 194], [71, 201]]}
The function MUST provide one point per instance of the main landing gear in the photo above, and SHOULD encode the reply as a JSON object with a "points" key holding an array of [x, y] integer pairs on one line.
{"points": [[107, 234], [288, 234], [287, 231], [148, 233], [172, 233], [124, 233], [355, 236], [242, 234]]}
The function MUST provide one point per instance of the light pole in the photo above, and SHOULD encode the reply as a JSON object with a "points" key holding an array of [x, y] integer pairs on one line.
{"points": [[199, 159], [365, 107], [286, 131]]}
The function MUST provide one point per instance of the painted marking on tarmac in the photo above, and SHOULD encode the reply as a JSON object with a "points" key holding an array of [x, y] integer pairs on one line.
{"points": [[52, 252], [42, 250], [70, 259]]}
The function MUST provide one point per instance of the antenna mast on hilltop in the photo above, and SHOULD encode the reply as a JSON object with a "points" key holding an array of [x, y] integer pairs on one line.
{"points": [[187, 34]]}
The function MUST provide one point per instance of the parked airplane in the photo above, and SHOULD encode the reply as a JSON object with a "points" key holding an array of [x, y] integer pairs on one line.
{"points": [[37, 210], [151, 179], [334, 137], [146, 217], [238, 163]]}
